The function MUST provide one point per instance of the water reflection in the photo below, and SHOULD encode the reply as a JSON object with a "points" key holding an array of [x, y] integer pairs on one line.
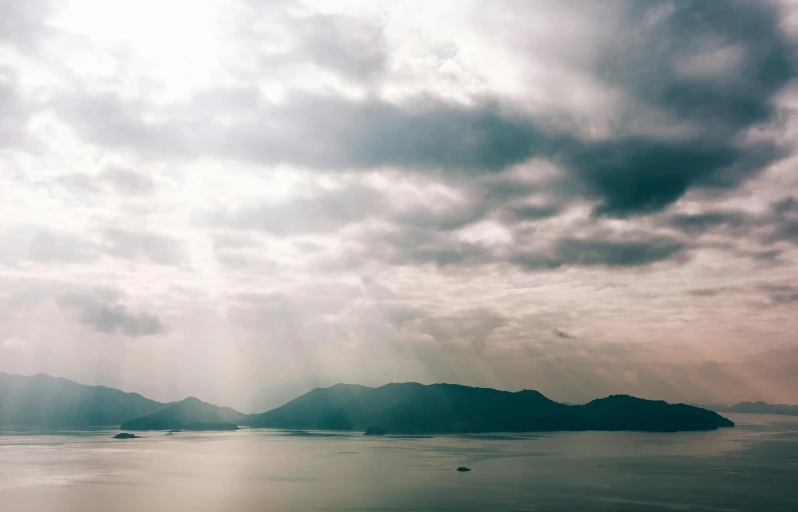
{"points": [[750, 467]]}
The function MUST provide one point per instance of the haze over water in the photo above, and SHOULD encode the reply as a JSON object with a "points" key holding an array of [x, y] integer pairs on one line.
{"points": [[748, 468]]}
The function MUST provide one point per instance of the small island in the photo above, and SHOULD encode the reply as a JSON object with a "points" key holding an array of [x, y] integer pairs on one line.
{"points": [[463, 469], [126, 435]]}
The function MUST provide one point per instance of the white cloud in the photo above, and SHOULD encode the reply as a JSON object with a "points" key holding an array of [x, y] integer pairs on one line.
{"points": [[15, 343]]}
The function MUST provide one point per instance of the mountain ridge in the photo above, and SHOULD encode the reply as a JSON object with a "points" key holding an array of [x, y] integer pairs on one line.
{"points": [[413, 408], [758, 407], [191, 413], [47, 402]]}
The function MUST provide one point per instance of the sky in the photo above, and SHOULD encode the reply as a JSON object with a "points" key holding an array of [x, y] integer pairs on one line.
{"points": [[220, 197]]}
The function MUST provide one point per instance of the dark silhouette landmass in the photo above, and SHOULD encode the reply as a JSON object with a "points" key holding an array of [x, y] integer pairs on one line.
{"points": [[756, 408], [126, 435], [411, 408], [463, 469], [45, 402], [271, 397], [188, 414]]}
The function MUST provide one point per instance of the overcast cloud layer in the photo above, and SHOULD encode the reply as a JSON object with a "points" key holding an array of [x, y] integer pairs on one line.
{"points": [[218, 196]]}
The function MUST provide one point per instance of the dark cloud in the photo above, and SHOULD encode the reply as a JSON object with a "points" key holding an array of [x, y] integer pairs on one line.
{"points": [[562, 334], [443, 217], [134, 245], [319, 132], [111, 318], [533, 212], [639, 251], [716, 65], [785, 222], [666, 66], [769, 256], [712, 292], [637, 175], [698, 223], [780, 293], [409, 245]]}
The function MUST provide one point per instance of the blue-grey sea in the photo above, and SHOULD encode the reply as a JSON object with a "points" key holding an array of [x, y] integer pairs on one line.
{"points": [[753, 467]]}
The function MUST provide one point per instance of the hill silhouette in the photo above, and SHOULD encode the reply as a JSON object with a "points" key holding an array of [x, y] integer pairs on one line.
{"points": [[757, 408], [188, 414], [46, 402], [412, 408]]}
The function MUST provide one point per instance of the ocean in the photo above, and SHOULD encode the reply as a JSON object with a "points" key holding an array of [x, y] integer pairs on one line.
{"points": [[753, 467]]}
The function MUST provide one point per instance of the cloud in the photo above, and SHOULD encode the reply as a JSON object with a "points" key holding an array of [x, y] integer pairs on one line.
{"points": [[562, 334], [780, 294], [127, 182], [39, 244], [609, 252], [157, 248], [705, 117], [473, 327], [15, 343], [410, 245], [627, 175], [785, 221], [319, 212], [15, 110], [246, 262], [351, 46], [111, 318], [636, 175], [714, 66], [22, 22], [319, 132], [698, 223], [77, 182], [348, 45], [380, 190]]}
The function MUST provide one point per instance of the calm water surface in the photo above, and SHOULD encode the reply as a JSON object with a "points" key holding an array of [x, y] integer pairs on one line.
{"points": [[753, 467]]}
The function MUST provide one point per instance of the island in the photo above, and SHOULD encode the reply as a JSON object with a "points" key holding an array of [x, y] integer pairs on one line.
{"points": [[757, 408], [412, 408], [189, 414], [126, 435]]}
